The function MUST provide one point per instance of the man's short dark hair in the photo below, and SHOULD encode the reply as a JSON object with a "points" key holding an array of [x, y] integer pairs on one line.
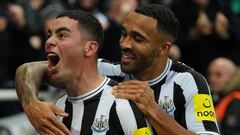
{"points": [[88, 23], [166, 21]]}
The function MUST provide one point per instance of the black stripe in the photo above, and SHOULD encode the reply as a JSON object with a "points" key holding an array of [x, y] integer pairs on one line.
{"points": [[115, 126], [157, 88], [200, 82], [203, 89], [90, 108], [117, 78], [112, 83], [179, 102], [141, 122], [157, 91], [180, 67], [67, 121]]}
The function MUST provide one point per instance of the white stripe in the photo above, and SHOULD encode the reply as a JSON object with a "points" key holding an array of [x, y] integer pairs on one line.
{"points": [[61, 105], [207, 133], [109, 69], [126, 116], [105, 103], [190, 88], [78, 109]]}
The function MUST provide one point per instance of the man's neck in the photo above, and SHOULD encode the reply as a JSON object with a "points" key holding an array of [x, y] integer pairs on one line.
{"points": [[154, 71], [84, 81]]}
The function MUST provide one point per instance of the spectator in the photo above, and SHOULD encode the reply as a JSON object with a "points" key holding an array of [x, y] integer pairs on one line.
{"points": [[221, 72], [204, 28], [120, 8]]}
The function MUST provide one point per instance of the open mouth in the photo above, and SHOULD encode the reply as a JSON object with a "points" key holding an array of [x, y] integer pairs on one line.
{"points": [[53, 59]]}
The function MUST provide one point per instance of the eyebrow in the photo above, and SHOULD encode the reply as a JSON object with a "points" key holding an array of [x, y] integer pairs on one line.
{"points": [[135, 33], [62, 29], [59, 30]]}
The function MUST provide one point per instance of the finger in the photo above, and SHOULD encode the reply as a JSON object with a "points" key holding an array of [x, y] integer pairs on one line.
{"points": [[124, 96], [124, 91], [129, 86], [56, 130], [59, 125], [41, 133], [58, 111], [44, 131], [119, 90], [133, 82]]}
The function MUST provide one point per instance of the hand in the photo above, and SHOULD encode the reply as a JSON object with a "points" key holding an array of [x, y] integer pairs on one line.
{"points": [[18, 15], [3, 23], [42, 115], [137, 91], [204, 25], [221, 25]]}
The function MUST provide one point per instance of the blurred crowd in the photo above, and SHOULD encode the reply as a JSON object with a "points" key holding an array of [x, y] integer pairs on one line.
{"points": [[208, 38], [208, 29]]}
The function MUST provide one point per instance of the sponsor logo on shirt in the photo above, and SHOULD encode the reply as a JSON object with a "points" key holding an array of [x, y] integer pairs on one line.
{"points": [[203, 108], [142, 131], [100, 125]]}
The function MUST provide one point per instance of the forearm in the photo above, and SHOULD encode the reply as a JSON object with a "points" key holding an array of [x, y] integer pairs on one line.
{"points": [[164, 124], [28, 79]]}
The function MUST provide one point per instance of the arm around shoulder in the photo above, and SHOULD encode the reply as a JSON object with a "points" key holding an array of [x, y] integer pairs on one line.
{"points": [[28, 79], [42, 115]]}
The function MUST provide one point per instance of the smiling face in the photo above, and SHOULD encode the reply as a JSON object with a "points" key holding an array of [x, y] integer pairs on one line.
{"points": [[140, 43], [64, 48]]}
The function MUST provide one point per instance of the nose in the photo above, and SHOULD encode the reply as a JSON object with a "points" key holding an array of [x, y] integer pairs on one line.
{"points": [[125, 42], [51, 42]]}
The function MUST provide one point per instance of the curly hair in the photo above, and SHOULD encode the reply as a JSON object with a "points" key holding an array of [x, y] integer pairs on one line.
{"points": [[167, 23]]}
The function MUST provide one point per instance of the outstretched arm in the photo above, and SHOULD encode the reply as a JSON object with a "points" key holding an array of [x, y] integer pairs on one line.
{"points": [[42, 115]]}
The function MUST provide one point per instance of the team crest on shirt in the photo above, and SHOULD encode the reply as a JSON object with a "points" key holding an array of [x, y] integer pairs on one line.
{"points": [[100, 125], [167, 104]]}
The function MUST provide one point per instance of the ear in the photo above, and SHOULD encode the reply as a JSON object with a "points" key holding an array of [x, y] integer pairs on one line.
{"points": [[165, 48], [90, 48]]}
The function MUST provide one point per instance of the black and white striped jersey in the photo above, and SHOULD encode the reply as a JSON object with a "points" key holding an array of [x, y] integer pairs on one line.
{"points": [[98, 112], [182, 92]]}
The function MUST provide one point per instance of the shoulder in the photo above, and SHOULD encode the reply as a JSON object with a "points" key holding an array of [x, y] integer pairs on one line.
{"points": [[110, 69], [234, 105], [61, 100], [188, 80], [188, 75], [181, 68]]}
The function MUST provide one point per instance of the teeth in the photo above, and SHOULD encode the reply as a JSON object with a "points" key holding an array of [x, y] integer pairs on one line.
{"points": [[52, 54], [126, 57], [53, 59]]}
